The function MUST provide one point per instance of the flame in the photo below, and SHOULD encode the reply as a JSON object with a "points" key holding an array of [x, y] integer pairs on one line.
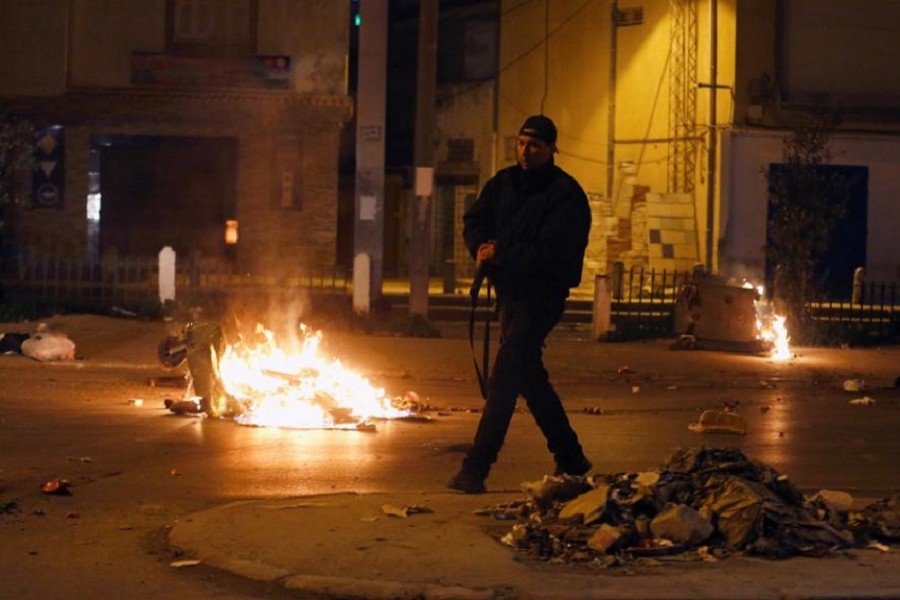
{"points": [[772, 328], [298, 389], [774, 331]]}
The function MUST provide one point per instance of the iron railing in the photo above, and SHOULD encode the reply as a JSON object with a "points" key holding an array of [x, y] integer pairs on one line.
{"points": [[131, 284]]}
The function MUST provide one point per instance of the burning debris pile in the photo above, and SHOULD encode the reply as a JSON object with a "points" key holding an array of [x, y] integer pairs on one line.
{"points": [[710, 501], [256, 381]]}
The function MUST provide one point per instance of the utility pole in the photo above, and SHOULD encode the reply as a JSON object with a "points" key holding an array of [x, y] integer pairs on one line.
{"points": [[368, 230], [713, 133], [423, 151]]}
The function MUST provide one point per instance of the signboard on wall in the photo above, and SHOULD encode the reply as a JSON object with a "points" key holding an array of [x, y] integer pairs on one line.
{"points": [[267, 72], [48, 181]]}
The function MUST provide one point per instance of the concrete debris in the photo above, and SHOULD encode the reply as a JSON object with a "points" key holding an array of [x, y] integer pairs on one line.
{"points": [[588, 507], [605, 538], [719, 421], [710, 501]]}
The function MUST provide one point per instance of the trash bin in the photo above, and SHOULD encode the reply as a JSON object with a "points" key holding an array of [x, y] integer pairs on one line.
{"points": [[713, 310]]}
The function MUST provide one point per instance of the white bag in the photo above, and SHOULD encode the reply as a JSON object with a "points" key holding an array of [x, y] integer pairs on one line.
{"points": [[49, 346]]}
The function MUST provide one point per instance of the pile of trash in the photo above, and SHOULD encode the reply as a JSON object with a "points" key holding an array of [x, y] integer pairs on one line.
{"points": [[713, 502]]}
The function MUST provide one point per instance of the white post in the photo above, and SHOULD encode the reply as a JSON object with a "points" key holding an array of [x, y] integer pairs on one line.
{"points": [[166, 275], [602, 316]]}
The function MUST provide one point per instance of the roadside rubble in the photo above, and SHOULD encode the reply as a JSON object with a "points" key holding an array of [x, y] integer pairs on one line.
{"points": [[702, 504]]}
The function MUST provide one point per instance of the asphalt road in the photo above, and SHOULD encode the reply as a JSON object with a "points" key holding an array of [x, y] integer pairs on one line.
{"points": [[135, 469]]}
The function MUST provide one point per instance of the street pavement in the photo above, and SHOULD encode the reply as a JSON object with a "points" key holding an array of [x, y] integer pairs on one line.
{"points": [[348, 546]]}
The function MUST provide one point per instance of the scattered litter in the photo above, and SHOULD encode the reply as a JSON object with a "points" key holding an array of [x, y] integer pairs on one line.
{"points": [[136, 401], [73, 515], [175, 473], [635, 389], [593, 410], [369, 519], [719, 421], [81, 459], [879, 546], [865, 401], [189, 406], [404, 511], [9, 507], [184, 563], [854, 385], [57, 487], [671, 387], [625, 369]]}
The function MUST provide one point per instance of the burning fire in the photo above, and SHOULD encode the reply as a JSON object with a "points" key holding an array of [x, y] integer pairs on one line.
{"points": [[299, 389], [771, 328]]}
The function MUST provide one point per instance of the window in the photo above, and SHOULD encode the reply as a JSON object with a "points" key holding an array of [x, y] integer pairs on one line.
{"points": [[211, 27]]}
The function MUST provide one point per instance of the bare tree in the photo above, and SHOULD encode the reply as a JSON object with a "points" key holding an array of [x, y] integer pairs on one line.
{"points": [[806, 202]]}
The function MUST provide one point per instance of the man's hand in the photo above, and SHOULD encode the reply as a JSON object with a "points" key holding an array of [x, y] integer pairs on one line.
{"points": [[485, 252]]}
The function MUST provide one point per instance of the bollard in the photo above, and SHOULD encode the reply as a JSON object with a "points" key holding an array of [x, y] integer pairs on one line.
{"points": [[602, 316], [859, 284]]}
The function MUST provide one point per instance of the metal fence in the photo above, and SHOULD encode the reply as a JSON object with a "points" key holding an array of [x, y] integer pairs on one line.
{"points": [[642, 300], [870, 315], [131, 284]]}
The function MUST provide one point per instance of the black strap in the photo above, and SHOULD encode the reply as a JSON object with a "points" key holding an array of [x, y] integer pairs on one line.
{"points": [[483, 372]]}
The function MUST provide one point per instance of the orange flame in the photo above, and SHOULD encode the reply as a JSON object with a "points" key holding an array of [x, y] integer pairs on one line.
{"points": [[299, 389], [772, 328]]}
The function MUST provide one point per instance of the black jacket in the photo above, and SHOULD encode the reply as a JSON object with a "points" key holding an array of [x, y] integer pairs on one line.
{"points": [[540, 220]]}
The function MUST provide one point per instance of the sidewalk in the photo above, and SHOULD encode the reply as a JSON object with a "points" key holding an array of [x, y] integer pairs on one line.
{"points": [[346, 546]]}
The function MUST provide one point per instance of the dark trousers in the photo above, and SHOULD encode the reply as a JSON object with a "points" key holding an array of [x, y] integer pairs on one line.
{"points": [[519, 370]]}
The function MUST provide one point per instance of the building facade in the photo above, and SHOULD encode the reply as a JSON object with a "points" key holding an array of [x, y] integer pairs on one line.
{"points": [[670, 113], [211, 126]]}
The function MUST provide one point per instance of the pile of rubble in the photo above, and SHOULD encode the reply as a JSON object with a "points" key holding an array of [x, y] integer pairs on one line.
{"points": [[709, 501]]}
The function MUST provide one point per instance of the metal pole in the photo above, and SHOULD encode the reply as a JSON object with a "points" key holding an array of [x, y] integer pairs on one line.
{"points": [[611, 101], [368, 230], [420, 215], [713, 134]]}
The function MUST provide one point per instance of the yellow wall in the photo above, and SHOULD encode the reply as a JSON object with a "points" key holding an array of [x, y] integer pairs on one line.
{"points": [[568, 79]]}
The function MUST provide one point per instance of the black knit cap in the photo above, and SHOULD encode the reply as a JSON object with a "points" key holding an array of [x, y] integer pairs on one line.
{"points": [[540, 127]]}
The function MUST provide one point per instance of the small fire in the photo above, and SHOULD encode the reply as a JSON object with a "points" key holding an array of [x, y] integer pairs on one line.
{"points": [[772, 328], [299, 389]]}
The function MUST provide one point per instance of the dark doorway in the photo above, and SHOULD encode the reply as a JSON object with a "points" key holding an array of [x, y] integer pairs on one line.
{"points": [[847, 250], [166, 191]]}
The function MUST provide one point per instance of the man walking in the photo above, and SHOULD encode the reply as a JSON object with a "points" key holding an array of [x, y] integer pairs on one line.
{"points": [[527, 232]]}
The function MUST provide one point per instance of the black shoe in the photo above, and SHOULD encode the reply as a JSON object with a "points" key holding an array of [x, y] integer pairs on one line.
{"points": [[468, 482], [578, 467]]}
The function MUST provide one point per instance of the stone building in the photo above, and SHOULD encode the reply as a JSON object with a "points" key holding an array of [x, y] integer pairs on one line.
{"points": [[172, 122]]}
